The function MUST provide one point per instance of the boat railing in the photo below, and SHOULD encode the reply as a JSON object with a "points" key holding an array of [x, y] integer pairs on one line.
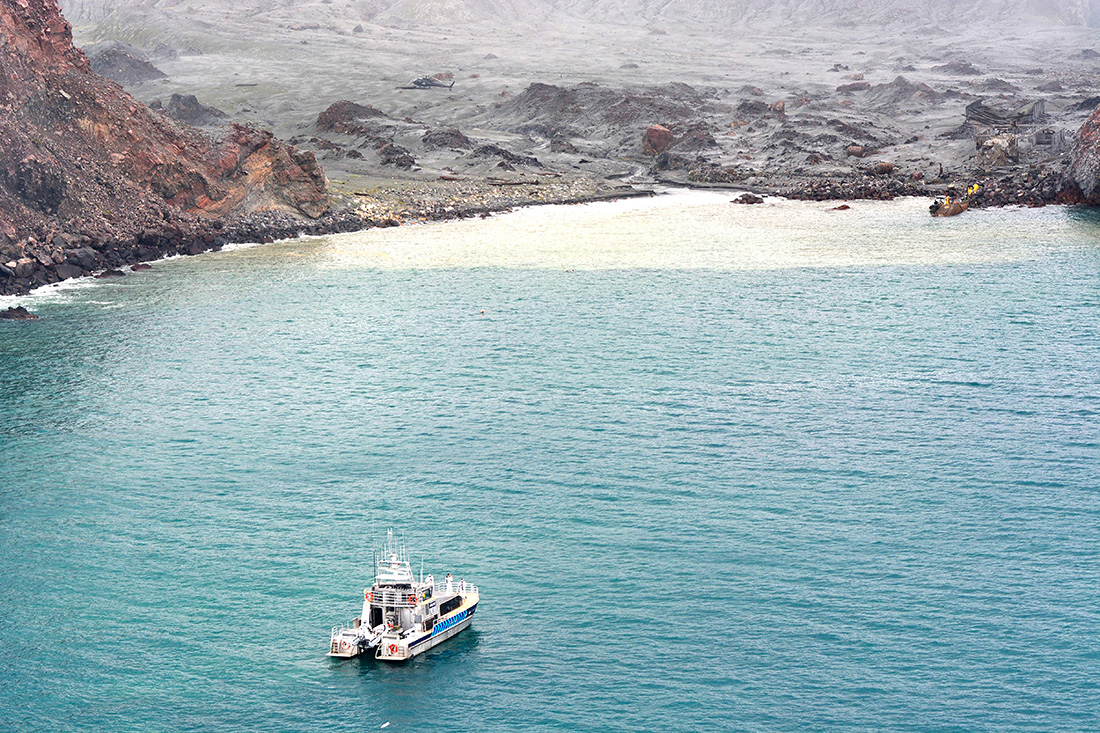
{"points": [[341, 629], [410, 599], [457, 588], [395, 598]]}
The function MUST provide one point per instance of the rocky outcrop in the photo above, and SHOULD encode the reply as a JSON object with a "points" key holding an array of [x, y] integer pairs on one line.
{"points": [[656, 140], [589, 110], [86, 170], [121, 63], [452, 139], [347, 117], [1081, 184], [959, 68], [188, 109], [18, 313]]}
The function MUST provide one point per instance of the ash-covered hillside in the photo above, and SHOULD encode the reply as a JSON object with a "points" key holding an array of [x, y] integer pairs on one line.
{"points": [[714, 13]]}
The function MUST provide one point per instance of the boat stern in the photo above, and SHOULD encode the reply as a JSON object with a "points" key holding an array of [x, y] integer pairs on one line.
{"points": [[345, 643], [393, 650]]}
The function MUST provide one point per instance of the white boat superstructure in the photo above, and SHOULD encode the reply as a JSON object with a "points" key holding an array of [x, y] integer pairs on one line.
{"points": [[403, 616]]}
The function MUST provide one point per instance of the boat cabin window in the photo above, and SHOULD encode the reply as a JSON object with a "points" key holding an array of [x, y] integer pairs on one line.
{"points": [[375, 616], [448, 606]]}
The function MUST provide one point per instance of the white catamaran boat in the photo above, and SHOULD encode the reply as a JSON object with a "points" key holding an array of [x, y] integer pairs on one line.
{"points": [[403, 617]]}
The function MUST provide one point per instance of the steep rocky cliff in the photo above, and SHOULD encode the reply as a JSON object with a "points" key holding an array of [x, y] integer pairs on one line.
{"points": [[1082, 180], [91, 178]]}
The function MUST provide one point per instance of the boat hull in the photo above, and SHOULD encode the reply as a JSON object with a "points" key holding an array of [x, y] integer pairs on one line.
{"points": [[393, 650]]}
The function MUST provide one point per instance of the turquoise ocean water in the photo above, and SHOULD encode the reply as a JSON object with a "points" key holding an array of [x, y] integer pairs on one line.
{"points": [[714, 467]]}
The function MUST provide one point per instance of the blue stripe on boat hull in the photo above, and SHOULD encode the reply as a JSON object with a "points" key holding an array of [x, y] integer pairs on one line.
{"points": [[443, 626]]}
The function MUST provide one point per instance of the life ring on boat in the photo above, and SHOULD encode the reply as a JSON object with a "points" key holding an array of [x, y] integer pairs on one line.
{"points": [[393, 648], [368, 595], [412, 600], [344, 645]]}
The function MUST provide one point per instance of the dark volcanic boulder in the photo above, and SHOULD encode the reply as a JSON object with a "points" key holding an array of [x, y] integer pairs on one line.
{"points": [[346, 117], [396, 155], [39, 182], [187, 108], [900, 91], [960, 68], [695, 138], [446, 139], [18, 313], [67, 271], [506, 156], [856, 86]]}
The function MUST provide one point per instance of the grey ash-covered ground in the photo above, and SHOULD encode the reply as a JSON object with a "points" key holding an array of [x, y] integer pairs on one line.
{"points": [[836, 101]]}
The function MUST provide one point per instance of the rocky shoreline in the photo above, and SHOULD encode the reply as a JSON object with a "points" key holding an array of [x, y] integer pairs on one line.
{"points": [[93, 180], [1041, 187], [69, 256], [34, 264]]}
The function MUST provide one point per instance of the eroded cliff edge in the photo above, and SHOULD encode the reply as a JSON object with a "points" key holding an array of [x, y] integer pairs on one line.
{"points": [[92, 179]]}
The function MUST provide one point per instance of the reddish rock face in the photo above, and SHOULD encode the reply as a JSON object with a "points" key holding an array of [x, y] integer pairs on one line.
{"points": [[78, 154], [1082, 181], [656, 140]]}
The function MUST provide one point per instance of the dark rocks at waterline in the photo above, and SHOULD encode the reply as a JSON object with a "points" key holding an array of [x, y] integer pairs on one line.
{"points": [[748, 198], [66, 271], [862, 187], [43, 261], [18, 313]]}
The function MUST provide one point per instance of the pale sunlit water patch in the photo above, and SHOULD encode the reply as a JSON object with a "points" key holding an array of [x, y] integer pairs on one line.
{"points": [[712, 234]]}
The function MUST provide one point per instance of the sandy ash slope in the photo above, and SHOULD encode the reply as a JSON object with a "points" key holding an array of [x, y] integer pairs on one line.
{"points": [[810, 98]]}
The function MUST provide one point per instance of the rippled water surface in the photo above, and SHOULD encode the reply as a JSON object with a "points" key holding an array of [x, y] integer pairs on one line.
{"points": [[714, 467]]}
